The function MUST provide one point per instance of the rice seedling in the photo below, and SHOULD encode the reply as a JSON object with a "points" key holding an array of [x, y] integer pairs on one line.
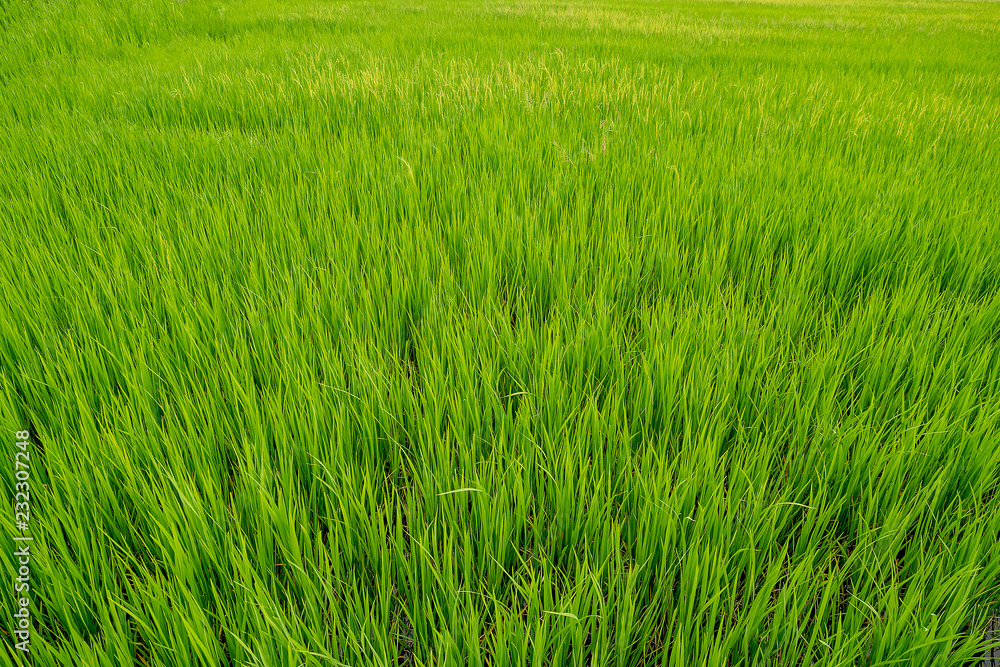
{"points": [[502, 333]]}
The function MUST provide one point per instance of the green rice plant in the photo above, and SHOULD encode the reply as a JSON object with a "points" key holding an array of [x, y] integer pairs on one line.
{"points": [[502, 333]]}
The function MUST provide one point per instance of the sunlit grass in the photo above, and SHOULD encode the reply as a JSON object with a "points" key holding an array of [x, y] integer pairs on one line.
{"points": [[504, 333]]}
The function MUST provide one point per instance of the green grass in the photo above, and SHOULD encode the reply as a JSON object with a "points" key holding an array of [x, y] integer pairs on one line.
{"points": [[485, 333]]}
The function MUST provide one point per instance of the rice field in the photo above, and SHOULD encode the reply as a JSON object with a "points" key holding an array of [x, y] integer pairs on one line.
{"points": [[501, 333]]}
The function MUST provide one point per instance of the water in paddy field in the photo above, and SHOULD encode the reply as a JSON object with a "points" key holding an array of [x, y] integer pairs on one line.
{"points": [[991, 658]]}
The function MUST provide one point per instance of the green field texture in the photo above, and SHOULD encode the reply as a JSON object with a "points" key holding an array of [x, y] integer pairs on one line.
{"points": [[489, 334]]}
